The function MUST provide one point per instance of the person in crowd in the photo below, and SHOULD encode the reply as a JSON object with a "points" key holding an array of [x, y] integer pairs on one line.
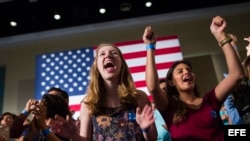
{"points": [[161, 126], [224, 116], [163, 84], [162, 129], [188, 115], [17, 128], [63, 93], [241, 93], [113, 109], [48, 107], [234, 44], [231, 111], [7, 118], [4, 133], [59, 91], [6, 121]]}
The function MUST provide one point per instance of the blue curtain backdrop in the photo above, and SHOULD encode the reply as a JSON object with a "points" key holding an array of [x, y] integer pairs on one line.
{"points": [[2, 79]]}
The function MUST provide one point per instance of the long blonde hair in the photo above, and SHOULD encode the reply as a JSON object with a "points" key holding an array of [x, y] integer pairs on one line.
{"points": [[126, 88]]}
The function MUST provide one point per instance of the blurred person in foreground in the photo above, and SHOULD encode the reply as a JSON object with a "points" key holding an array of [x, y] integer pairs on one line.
{"points": [[6, 121]]}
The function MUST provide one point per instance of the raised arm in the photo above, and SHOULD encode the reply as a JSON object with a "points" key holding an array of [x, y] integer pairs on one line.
{"points": [[234, 44], [235, 70], [17, 126], [152, 79]]}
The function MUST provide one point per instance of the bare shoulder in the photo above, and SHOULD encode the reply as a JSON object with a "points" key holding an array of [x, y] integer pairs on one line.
{"points": [[141, 94], [141, 97], [84, 107]]}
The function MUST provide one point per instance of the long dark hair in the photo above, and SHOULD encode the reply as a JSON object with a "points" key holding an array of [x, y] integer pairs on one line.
{"points": [[55, 104], [181, 108]]}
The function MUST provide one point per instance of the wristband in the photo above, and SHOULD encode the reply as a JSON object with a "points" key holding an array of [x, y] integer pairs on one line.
{"points": [[145, 130], [150, 46], [228, 39], [25, 112], [45, 132]]}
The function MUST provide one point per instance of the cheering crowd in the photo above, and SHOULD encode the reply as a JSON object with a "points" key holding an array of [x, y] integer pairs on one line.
{"points": [[115, 110]]}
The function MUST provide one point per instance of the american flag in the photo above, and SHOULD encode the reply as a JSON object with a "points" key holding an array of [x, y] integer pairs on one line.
{"points": [[69, 70]]}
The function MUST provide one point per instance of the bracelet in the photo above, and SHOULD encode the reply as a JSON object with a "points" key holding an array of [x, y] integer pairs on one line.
{"points": [[228, 39], [45, 132], [25, 112], [145, 130], [150, 46]]}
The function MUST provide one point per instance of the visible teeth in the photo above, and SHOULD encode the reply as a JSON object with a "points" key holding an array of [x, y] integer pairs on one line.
{"points": [[110, 64], [109, 61]]}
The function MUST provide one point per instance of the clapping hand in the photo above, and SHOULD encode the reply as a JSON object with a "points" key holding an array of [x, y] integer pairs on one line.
{"points": [[145, 117], [64, 127]]}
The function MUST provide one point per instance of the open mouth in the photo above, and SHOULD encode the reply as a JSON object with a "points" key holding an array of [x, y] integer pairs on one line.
{"points": [[187, 79], [109, 66]]}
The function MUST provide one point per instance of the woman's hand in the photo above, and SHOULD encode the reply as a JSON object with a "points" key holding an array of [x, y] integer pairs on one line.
{"points": [[64, 127], [217, 28], [149, 36], [30, 102], [40, 116], [145, 117]]}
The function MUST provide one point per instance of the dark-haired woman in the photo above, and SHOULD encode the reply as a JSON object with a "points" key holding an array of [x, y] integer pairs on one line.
{"points": [[189, 116]]}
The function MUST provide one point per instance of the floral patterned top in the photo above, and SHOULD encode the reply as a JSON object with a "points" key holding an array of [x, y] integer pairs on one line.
{"points": [[116, 125]]}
